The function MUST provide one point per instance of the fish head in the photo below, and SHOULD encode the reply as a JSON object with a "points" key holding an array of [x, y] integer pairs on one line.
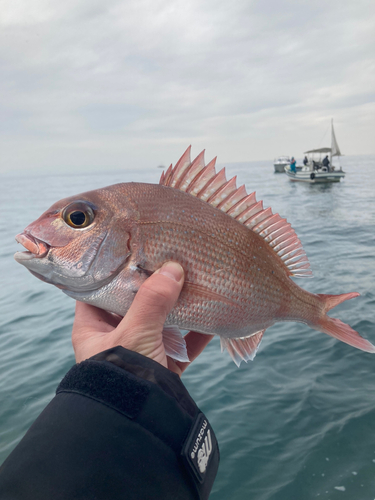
{"points": [[79, 244]]}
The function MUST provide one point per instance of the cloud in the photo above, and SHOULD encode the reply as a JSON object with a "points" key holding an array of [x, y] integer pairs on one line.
{"points": [[90, 84]]}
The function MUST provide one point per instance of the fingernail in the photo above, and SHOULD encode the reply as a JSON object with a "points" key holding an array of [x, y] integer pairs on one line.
{"points": [[172, 270]]}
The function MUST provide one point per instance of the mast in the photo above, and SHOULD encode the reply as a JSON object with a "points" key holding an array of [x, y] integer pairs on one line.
{"points": [[330, 153]]}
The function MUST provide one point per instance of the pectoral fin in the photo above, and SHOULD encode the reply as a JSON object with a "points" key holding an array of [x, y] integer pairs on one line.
{"points": [[174, 344]]}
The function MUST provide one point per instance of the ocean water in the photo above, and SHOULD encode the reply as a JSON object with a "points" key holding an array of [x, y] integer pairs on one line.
{"points": [[297, 423]]}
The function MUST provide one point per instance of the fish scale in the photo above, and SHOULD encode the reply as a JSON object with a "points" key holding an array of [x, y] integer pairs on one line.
{"points": [[238, 257]]}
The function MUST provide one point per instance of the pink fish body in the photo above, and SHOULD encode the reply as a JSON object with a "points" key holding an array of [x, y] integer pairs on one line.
{"points": [[100, 246]]}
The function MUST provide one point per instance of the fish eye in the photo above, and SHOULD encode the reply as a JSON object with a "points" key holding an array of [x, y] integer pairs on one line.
{"points": [[78, 215]]}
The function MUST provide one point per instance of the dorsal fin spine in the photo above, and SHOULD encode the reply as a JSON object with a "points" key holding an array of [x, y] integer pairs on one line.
{"points": [[295, 257], [288, 252], [270, 232], [292, 246], [197, 163], [212, 185], [285, 243], [167, 175], [180, 167], [242, 205], [267, 224], [259, 217], [222, 193], [250, 211], [229, 194], [299, 265], [207, 173], [232, 199], [279, 235]]}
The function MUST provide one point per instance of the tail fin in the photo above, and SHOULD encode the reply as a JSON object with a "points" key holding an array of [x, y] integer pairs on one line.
{"points": [[332, 301], [338, 329]]}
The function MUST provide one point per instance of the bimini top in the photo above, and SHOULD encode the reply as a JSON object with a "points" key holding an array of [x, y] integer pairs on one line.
{"points": [[321, 150]]}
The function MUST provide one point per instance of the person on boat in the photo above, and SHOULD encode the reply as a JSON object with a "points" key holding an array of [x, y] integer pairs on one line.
{"points": [[122, 424], [305, 161], [325, 162], [293, 165]]}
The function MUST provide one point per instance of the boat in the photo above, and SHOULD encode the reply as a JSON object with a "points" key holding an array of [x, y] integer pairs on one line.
{"points": [[316, 170], [280, 163]]}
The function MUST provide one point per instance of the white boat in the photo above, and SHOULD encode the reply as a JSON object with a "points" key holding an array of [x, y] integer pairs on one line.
{"points": [[280, 163], [317, 171]]}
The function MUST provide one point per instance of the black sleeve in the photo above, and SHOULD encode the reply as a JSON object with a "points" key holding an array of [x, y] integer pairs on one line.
{"points": [[121, 426]]}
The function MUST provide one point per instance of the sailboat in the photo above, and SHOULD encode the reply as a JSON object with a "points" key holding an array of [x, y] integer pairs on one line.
{"points": [[317, 170]]}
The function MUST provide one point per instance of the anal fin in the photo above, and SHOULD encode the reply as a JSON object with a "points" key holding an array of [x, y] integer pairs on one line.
{"points": [[242, 349]]}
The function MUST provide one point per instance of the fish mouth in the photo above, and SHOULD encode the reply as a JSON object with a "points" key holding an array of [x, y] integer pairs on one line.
{"points": [[35, 248]]}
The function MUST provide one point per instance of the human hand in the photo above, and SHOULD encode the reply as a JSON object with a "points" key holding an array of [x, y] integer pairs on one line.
{"points": [[95, 330]]}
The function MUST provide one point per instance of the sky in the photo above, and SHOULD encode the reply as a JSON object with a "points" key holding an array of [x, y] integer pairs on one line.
{"points": [[93, 84]]}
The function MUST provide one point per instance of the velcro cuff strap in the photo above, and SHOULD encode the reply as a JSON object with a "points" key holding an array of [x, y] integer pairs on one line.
{"points": [[108, 384]]}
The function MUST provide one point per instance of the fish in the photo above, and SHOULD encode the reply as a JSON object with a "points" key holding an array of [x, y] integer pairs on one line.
{"points": [[239, 258]]}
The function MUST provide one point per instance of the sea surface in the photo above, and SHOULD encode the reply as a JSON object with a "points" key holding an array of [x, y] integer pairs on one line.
{"points": [[297, 423]]}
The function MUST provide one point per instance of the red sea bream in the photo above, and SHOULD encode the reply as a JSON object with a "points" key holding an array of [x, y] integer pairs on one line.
{"points": [[100, 246]]}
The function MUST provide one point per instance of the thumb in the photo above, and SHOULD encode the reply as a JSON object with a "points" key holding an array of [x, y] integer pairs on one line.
{"points": [[141, 328]]}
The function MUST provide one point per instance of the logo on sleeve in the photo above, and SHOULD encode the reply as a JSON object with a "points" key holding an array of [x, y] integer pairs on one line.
{"points": [[198, 447], [202, 448]]}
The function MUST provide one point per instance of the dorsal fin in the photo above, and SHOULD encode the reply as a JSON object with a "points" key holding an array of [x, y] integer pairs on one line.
{"points": [[202, 181]]}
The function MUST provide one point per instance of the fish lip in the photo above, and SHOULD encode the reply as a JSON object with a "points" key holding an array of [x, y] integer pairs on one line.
{"points": [[35, 248]]}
